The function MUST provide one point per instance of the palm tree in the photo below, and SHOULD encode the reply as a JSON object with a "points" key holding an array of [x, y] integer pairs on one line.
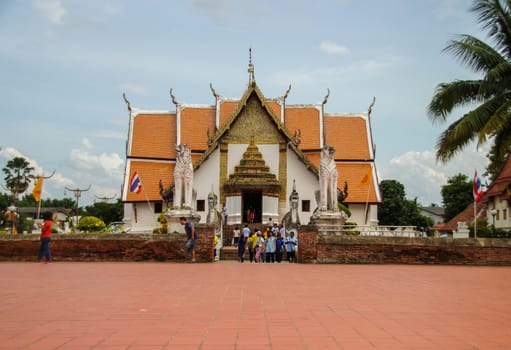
{"points": [[18, 174], [490, 120]]}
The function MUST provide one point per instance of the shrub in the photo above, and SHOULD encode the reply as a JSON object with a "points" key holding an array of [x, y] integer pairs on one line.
{"points": [[91, 224]]}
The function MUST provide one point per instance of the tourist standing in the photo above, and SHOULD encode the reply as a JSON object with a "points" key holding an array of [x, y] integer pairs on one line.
{"points": [[226, 214], [191, 235], [270, 248], [246, 232], [251, 215], [252, 247], [45, 239], [241, 249], [279, 247], [236, 235], [291, 244], [260, 246]]}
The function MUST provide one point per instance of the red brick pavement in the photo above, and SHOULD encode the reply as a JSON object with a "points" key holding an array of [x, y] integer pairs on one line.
{"points": [[228, 305]]}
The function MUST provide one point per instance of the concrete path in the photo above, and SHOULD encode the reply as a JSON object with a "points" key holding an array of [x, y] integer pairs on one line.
{"points": [[227, 305]]}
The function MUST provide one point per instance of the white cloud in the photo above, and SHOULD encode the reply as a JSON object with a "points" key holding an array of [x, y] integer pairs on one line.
{"points": [[423, 177], [217, 10], [449, 8], [86, 143], [109, 134], [110, 164], [51, 9], [333, 48], [131, 87], [53, 184]]}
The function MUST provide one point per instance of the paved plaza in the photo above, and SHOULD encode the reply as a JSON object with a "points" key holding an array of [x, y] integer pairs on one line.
{"points": [[227, 305]]}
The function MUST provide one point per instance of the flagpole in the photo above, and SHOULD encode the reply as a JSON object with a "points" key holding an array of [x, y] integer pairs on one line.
{"points": [[368, 192], [475, 219]]}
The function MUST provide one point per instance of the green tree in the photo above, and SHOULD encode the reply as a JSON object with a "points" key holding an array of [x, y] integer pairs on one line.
{"points": [[108, 212], [396, 210], [491, 95], [456, 195], [18, 175], [67, 203], [495, 165]]}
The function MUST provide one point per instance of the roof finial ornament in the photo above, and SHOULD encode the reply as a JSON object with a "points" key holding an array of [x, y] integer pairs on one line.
{"points": [[174, 101], [126, 100], [251, 77], [325, 100], [371, 107], [213, 91]]}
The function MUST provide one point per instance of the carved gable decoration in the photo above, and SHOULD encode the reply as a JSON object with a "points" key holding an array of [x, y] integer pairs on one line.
{"points": [[253, 121]]}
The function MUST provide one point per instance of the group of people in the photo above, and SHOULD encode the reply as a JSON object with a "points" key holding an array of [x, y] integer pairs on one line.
{"points": [[267, 246]]}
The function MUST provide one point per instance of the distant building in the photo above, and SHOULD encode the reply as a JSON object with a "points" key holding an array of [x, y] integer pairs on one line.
{"points": [[250, 152], [433, 212], [493, 205]]}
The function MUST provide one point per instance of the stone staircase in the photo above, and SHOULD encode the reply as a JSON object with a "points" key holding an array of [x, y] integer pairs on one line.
{"points": [[229, 252]]}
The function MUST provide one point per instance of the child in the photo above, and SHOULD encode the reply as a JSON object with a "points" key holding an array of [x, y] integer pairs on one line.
{"points": [[241, 248]]}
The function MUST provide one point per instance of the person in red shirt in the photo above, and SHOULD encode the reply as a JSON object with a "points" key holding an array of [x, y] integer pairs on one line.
{"points": [[44, 248]]}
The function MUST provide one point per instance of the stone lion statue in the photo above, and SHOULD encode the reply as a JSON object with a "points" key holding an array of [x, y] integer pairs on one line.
{"points": [[328, 180], [183, 177]]}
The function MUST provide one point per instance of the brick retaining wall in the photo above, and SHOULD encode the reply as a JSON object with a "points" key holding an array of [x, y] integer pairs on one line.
{"points": [[341, 249], [312, 248], [110, 247]]}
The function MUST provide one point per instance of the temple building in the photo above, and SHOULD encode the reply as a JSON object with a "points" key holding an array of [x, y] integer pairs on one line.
{"points": [[254, 153]]}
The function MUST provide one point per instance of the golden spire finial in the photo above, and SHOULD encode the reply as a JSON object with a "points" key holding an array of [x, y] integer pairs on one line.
{"points": [[251, 77]]}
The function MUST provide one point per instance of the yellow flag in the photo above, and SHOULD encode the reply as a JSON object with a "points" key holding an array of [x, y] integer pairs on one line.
{"points": [[38, 188], [367, 178]]}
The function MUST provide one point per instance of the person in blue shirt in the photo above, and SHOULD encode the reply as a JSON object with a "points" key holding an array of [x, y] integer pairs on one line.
{"points": [[291, 244], [279, 248], [191, 236]]}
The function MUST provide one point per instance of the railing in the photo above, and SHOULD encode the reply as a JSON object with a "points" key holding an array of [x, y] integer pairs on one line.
{"points": [[382, 231]]}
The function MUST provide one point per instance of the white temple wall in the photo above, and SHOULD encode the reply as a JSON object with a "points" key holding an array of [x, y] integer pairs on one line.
{"points": [[205, 178], [306, 184], [270, 209], [140, 217]]}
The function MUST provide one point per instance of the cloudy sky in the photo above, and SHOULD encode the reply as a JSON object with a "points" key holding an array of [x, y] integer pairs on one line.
{"points": [[65, 64]]}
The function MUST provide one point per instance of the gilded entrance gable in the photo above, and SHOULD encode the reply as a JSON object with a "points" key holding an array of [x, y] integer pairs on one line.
{"points": [[253, 121]]}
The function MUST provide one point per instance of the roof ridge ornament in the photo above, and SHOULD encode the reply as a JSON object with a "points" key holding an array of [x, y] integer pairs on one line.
{"points": [[325, 99], [251, 76], [173, 98], [371, 107], [126, 100], [215, 94]]}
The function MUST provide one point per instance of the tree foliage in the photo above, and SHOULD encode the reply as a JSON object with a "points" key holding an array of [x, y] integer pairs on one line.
{"points": [[18, 175], [396, 210], [107, 212], [490, 119], [456, 195]]}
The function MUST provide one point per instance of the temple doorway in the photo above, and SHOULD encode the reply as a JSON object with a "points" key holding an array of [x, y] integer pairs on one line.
{"points": [[252, 200]]}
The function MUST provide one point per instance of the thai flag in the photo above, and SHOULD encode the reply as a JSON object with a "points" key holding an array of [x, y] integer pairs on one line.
{"points": [[478, 191], [135, 183]]}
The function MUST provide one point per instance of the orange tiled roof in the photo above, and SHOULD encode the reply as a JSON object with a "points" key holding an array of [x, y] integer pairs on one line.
{"points": [[150, 174], [275, 107], [355, 174], [154, 136], [195, 122], [315, 158], [307, 120], [466, 215], [501, 184], [348, 134], [227, 108]]}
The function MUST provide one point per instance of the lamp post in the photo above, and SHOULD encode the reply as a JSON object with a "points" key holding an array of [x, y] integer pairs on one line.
{"points": [[77, 194]]}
